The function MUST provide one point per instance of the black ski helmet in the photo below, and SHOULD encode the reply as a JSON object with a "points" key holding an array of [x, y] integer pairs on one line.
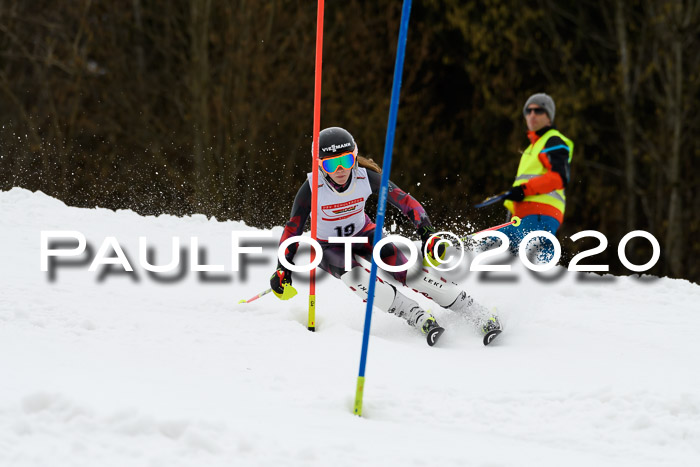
{"points": [[334, 141]]}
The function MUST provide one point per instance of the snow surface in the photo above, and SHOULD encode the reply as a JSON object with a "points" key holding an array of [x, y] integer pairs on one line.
{"points": [[120, 369]]}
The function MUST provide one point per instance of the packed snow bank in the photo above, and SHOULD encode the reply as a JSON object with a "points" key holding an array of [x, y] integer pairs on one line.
{"points": [[112, 368]]}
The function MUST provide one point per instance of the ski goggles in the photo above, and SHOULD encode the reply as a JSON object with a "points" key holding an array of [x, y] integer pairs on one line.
{"points": [[332, 164]]}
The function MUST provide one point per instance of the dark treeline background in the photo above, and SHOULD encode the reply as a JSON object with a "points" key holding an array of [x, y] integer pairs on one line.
{"points": [[171, 106]]}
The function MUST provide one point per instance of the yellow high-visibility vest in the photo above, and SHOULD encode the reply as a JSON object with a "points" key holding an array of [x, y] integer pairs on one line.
{"points": [[531, 167]]}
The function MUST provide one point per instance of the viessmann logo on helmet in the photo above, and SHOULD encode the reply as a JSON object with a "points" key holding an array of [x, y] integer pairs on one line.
{"points": [[335, 147]]}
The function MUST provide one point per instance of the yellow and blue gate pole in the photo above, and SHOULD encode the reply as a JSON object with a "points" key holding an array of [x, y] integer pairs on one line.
{"points": [[383, 193]]}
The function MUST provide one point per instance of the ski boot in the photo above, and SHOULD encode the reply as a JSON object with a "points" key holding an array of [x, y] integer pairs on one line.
{"points": [[491, 329], [432, 330], [390, 300]]}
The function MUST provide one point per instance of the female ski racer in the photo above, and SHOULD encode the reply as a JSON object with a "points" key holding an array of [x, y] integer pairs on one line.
{"points": [[346, 183]]}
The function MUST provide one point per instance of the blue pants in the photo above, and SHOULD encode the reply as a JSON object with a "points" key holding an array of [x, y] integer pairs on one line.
{"points": [[529, 224]]}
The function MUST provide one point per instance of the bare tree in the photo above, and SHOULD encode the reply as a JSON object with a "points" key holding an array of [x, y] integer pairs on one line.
{"points": [[199, 84], [676, 28]]}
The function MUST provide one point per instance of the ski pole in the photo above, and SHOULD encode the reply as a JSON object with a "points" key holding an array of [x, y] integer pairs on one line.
{"points": [[288, 293], [514, 221], [256, 297]]}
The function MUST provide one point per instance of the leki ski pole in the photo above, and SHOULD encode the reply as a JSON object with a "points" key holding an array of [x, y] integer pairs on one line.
{"points": [[288, 293], [514, 221], [256, 297]]}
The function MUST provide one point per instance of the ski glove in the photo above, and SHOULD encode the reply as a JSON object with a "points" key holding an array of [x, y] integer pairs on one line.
{"points": [[281, 276], [516, 193], [425, 233]]}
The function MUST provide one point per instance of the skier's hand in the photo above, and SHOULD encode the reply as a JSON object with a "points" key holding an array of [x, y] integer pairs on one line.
{"points": [[281, 276], [517, 193], [426, 232]]}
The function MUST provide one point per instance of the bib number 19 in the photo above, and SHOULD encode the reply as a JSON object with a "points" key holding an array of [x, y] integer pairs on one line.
{"points": [[346, 231]]}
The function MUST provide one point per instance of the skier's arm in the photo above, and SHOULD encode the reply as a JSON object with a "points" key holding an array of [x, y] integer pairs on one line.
{"points": [[301, 209], [555, 158], [401, 200]]}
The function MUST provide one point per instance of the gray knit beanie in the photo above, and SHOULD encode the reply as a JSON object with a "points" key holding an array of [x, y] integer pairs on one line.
{"points": [[544, 101]]}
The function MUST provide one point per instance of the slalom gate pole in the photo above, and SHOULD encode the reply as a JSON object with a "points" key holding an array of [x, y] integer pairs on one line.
{"points": [[314, 168], [383, 193]]}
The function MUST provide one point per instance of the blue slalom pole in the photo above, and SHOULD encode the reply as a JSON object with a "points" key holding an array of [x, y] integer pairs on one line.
{"points": [[383, 193]]}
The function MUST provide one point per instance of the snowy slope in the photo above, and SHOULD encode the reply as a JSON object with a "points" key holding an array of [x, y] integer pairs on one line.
{"points": [[126, 370]]}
